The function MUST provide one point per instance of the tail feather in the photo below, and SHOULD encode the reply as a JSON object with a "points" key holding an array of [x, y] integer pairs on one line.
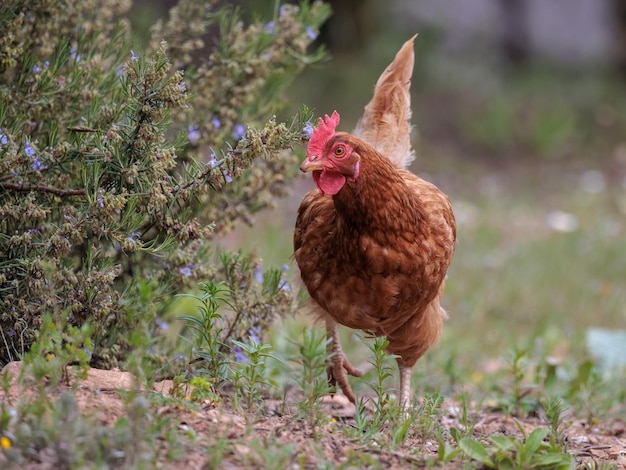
{"points": [[386, 121]]}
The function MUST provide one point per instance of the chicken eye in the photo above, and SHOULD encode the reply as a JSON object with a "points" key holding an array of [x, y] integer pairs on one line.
{"points": [[340, 151]]}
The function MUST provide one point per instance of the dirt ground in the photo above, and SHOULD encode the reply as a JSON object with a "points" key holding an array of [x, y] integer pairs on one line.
{"points": [[99, 395]]}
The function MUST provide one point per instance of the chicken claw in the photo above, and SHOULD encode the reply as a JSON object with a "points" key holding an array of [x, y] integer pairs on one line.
{"points": [[340, 367]]}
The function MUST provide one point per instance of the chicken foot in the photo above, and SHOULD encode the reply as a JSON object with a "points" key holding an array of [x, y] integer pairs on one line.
{"points": [[339, 367]]}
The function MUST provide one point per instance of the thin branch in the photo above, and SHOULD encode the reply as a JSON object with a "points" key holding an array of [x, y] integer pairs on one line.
{"points": [[26, 187]]}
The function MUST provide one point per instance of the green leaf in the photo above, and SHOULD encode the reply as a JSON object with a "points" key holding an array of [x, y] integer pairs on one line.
{"points": [[554, 461], [456, 434], [534, 440], [447, 453], [503, 442], [475, 450]]}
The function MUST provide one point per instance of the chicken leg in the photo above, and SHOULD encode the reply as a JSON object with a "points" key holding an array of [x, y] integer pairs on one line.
{"points": [[339, 364], [405, 386]]}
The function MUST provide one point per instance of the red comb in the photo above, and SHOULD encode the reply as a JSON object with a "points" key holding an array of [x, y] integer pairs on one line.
{"points": [[325, 130]]}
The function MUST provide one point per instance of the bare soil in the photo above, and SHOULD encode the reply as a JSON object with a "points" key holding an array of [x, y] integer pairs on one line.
{"points": [[99, 395]]}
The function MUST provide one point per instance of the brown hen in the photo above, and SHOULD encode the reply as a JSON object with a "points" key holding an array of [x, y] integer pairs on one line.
{"points": [[373, 242]]}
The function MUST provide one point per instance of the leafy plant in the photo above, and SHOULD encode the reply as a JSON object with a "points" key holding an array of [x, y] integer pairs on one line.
{"points": [[429, 415], [518, 400], [310, 373], [515, 453], [384, 406], [249, 373], [553, 415], [120, 165], [208, 328]]}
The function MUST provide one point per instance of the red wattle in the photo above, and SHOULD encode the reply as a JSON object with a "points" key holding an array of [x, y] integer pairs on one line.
{"points": [[329, 182]]}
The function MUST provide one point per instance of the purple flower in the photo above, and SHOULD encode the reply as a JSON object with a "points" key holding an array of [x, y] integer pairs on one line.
{"points": [[258, 275], [193, 132], [282, 10], [100, 200], [36, 68], [308, 129], [239, 355], [255, 334], [134, 237], [29, 150], [46, 64], [133, 56], [182, 86], [239, 131], [11, 332], [37, 164], [227, 177], [284, 285], [74, 54], [119, 70], [89, 353], [269, 27], [3, 138], [162, 325], [285, 267], [311, 33], [186, 271], [216, 122], [213, 161]]}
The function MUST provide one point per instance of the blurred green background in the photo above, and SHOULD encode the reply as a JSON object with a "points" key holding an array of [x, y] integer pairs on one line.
{"points": [[520, 115]]}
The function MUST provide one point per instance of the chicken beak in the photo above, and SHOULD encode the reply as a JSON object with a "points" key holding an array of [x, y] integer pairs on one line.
{"points": [[311, 164]]}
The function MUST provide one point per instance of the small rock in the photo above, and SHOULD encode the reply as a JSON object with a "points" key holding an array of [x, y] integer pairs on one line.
{"points": [[580, 440]]}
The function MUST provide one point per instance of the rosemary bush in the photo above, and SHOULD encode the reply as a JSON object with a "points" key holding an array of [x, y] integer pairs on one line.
{"points": [[118, 167]]}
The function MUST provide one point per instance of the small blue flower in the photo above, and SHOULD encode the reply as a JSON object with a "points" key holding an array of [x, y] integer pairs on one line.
{"points": [[133, 56], [11, 332], [258, 275], [29, 150], [285, 267], [37, 164], [284, 285], [74, 54], [36, 68], [282, 10], [134, 237], [239, 131], [162, 325], [193, 132], [119, 70], [308, 129], [255, 334], [311, 33], [100, 200], [186, 271], [227, 177], [239, 355], [213, 161], [216, 122], [3, 138], [89, 353], [46, 64], [182, 86], [269, 27]]}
